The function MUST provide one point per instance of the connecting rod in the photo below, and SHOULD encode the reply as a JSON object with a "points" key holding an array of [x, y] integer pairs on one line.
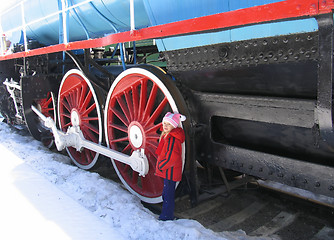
{"points": [[74, 138]]}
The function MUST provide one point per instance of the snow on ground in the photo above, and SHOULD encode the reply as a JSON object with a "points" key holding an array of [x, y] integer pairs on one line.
{"points": [[45, 197]]}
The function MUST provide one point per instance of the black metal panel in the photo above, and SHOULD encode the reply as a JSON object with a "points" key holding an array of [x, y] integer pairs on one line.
{"points": [[305, 175], [257, 105], [325, 78], [285, 111], [34, 88], [271, 50]]}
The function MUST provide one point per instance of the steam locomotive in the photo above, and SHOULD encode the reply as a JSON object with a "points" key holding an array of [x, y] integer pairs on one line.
{"points": [[254, 78]]}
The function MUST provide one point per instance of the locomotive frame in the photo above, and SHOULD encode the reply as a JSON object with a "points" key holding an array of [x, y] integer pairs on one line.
{"points": [[220, 124]]}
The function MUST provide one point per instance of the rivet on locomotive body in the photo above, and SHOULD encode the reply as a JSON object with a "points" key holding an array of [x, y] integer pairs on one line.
{"points": [[331, 188], [260, 169], [305, 181], [317, 184], [250, 167], [265, 42]]}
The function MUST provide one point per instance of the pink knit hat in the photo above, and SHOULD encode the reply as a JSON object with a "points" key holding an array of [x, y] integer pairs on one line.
{"points": [[174, 118]]}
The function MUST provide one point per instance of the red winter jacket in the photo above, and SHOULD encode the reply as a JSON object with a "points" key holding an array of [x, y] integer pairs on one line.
{"points": [[169, 151]]}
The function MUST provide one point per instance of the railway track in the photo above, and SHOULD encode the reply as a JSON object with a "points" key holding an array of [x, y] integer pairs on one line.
{"points": [[260, 212]]}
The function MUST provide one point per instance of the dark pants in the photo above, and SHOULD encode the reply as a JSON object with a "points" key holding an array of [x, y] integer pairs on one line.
{"points": [[168, 205]]}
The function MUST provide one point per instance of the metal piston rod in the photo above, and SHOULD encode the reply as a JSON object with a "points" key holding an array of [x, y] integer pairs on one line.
{"points": [[74, 138]]}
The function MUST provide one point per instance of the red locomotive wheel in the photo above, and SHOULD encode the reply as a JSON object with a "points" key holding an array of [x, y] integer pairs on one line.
{"points": [[47, 108], [136, 104], [78, 106]]}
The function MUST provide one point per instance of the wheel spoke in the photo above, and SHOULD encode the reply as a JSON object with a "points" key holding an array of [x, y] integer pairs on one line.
{"points": [[118, 127], [67, 125], [155, 128], [89, 118], [126, 149], [88, 155], [66, 105], [120, 116], [91, 127], [86, 101], [150, 102], [135, 100], [89, 135], [142, 100], [65, 115], [90, 109], [135, 177], [83, 91], [119, 140], [129, 104], [70, 103], [153, 141], [124, 108], [157, 112]]}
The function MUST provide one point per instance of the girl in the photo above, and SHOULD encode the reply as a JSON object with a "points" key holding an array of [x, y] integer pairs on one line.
{"points": [[169, 163]]}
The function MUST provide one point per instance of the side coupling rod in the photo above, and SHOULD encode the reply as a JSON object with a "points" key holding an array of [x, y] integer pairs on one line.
{"points": [[74, 138]]}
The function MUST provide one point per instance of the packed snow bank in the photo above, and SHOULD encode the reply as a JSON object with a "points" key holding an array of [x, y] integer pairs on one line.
{"points": [[87, 207], [33, 208]]}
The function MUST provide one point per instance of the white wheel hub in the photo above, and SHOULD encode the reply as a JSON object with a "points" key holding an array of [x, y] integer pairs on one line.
{"points": [[75, 119], [136, 136]]}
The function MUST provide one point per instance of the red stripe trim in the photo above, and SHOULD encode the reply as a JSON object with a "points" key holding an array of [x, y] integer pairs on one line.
{"points": [[258, 14]]}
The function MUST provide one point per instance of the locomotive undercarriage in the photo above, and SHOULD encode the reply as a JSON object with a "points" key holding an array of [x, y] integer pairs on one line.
{"points": [[265, 106]]}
